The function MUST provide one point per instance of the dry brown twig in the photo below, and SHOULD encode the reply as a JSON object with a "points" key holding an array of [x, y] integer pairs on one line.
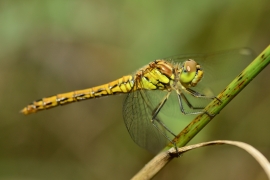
{"points": [[158, 162]]}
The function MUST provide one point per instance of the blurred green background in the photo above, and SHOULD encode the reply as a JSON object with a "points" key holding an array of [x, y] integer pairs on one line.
{"points": [[54, 46]]}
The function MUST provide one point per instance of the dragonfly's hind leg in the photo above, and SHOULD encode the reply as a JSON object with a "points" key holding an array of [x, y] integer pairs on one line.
{"points": [[154, 120], [157, 110], [164, 134]]}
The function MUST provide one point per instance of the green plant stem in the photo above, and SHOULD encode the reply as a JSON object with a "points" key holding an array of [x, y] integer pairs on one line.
{"points": [[225, 97]]}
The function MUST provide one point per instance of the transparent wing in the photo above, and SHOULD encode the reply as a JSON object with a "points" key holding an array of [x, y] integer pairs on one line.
{"points": [[137, 111]]}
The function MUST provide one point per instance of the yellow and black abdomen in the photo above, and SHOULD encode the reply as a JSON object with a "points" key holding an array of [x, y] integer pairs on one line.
{"points": [[122, 85]]}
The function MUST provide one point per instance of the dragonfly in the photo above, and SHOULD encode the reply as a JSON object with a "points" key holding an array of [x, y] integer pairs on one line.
{"points": [[149, 89]]}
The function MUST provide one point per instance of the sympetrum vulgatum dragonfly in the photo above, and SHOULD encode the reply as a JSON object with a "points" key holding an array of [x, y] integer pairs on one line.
{"points": [[182, 79]]}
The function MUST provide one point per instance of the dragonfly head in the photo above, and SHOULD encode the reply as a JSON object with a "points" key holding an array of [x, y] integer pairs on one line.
{"points": [[190, 73]]}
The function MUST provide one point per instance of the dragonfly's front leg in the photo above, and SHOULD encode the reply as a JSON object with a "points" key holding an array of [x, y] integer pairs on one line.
{"points": [[199, 95], [181, 96], [195, 94]]}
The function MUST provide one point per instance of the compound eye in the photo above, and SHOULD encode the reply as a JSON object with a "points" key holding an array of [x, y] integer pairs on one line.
{"points": [[188, 71], [190, 66]]}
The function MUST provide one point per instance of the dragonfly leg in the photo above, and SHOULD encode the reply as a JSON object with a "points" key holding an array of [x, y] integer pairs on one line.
{"points": [[210, 115], [180, 96], [162, 132], [154, 120], [218, 99], [160, 105], [157, 110], [198, 95], [163, 125], [188, 103]]}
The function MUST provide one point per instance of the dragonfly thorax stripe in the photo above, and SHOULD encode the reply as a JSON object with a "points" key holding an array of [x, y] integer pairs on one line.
{"points": [[156, 75]]}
